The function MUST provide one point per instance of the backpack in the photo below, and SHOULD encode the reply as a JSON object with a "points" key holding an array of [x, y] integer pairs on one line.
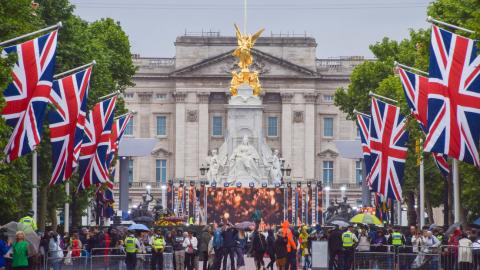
{"points": [[217, 239]]}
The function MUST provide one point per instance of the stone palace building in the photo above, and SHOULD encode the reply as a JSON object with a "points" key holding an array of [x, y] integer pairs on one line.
{"points": [[181, 102]]}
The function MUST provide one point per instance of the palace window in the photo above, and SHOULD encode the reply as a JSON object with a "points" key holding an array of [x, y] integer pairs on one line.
{"points": [[161, 96], [217, 126], [129, 128], [328, 98], [272, 126], [128, 95], [161, 171], [328, 127], [327, 173], [130, 170], [161, 126], [358, 171]]}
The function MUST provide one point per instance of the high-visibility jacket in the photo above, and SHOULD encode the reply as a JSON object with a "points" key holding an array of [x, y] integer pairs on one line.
{"points": [[130, 244], [29, 221], [287, 233], [396, 239], [347, 239], [158, 243]]}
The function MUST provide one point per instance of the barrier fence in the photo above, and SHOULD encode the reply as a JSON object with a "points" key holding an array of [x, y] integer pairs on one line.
{"points": [[100, 258], [416, 257]]}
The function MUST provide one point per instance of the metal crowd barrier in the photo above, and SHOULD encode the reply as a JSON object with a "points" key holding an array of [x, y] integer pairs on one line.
{"points": [[70, 260], [412, 258]]}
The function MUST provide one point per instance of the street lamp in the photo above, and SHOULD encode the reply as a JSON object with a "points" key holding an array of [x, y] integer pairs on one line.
{"points": [[343, 190], [148, 187], [204, 169]]}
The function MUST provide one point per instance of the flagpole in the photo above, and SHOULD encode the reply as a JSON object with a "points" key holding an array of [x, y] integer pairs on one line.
{"points": [[382, 97], [456, 191], [109, 95], [360, 113], [422, 190], [432, 20], [57, 76], [66, 212], [34, 184], [56, 26], [411, 68], [125, 114]]}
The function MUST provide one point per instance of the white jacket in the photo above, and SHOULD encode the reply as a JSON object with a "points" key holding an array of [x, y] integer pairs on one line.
{"points": [[465, 250], [187, 242]]}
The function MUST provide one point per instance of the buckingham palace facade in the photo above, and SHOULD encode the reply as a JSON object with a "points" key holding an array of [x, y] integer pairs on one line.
{"points": [[181, 102]]}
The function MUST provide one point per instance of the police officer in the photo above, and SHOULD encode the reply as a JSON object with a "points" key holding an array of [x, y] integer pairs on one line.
{"points": [[28, 220], [157, 242], [397, 240], [132, 246], [349, 239]]}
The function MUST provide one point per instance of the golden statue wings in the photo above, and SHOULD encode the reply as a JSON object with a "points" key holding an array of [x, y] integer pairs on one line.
{"points": [[243, 53]]}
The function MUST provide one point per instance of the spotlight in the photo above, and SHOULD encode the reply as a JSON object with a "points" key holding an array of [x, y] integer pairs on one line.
{"points": [[299, 184], [309, 184], [264, 185], [319, 184], [202, 183], [225, 184], [239, 184], [181, 183], [251, 184], [277, 185], [192, 183], [214, 184], [289, 184]]}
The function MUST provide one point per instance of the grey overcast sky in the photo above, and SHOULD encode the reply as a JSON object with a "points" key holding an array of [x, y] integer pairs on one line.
{"points": [[340, 27]]}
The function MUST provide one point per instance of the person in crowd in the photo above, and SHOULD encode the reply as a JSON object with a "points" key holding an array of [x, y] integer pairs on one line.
{"points": [[476, 250], [430, 243], [229, 244], [28, 221], [55, 252], [240, 247], [157, 242], [196, 258], [259, 246], [363, 246], [280, 247], [132, 247], [304, 248], [211, 255], [5, 245], [465, 255], [20, 252], [76, 246], [334, 248], [451, 257], [349, 240], [179, 250], [217, 246], [190, 244], [271, 248], [203, 241], [291, 246]]}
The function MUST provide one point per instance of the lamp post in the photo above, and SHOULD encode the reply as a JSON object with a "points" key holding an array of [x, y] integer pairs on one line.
{"points": [[286, 171], [203, 171], [327, 197], [343, 190]]}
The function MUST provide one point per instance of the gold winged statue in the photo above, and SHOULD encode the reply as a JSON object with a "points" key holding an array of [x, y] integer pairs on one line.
{"points": [[245, 59]]}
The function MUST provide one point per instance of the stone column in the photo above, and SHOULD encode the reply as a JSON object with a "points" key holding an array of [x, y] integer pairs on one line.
{"points": [[310, 99], [203, 128], [286, 135], [180, 134]]}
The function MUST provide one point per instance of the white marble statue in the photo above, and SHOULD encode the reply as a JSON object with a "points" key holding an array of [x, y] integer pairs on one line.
{"points": [[214, 171], [243, 163], [275, 172]]}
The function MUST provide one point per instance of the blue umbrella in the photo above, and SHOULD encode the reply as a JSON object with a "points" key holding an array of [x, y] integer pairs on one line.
{"points": [[476, 223], [138, 227]]}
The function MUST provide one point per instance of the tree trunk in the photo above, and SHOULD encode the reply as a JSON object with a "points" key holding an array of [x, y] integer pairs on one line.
{"points": [[53, 218], [411, 213], [42, 209], [429, 208]]}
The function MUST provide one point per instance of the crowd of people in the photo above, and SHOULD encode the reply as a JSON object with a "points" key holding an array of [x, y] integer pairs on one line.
{"points": [[222, 246]]}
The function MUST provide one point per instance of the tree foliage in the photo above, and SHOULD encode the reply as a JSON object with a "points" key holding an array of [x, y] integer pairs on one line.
{"points": [[378, 76], [79, 42]]}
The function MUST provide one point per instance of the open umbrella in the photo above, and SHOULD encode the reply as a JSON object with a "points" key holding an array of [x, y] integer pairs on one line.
{"points": [[31, 237], [476, 223], [138, 227], [366, 218], [245, 225], [339, 223], [452, 228]]}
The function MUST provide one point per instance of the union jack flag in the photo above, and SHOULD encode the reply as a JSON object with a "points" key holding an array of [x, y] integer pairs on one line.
{"points": [[93, 155], [453, 97], [67, 121], [27, 95], [388, 151], [415, 88], [363, 123], [118, 128]]}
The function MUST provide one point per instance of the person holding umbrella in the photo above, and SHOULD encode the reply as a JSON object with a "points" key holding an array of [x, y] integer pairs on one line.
{"points": [[20, 252], [132, 245]]}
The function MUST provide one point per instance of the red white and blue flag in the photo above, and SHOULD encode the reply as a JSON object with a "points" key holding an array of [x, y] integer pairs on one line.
{"points": [[388, 151], [118, 128], [27, 95], [363, 123], [96, 141], [67, 122], [415, 88], [453, 97]]}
